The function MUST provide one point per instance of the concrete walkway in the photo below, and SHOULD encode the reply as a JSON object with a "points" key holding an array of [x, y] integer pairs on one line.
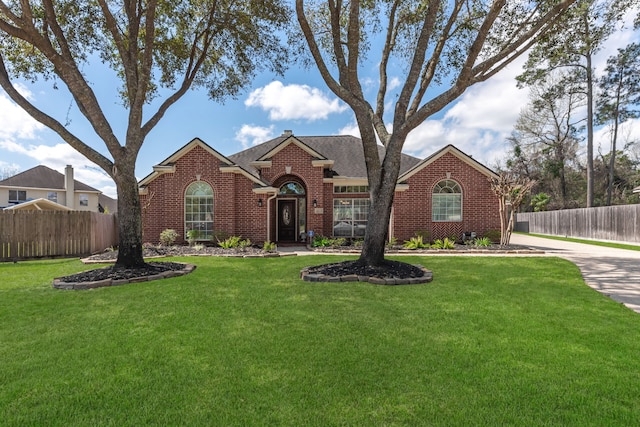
{"points": [[613, 272]]}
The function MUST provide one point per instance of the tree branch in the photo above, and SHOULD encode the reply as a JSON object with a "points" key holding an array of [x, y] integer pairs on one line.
{"points": [[50, 122]]}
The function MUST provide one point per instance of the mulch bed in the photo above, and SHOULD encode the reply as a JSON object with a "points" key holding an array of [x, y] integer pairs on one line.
{"points": [[401, 270], [111, 272]]}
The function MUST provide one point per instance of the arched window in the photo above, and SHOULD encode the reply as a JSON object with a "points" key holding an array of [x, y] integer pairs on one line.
{"points": [[447, 201], [291, 188], [198, 211]]}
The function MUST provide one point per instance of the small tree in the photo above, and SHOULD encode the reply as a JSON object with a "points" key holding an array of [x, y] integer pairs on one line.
{"points": [[511, 192]]}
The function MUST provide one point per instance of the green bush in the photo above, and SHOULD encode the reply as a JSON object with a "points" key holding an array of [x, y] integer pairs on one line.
{"points": [[415, 242], [425, 234], [392, 242], [168, 237], [445, 243], [482, 242], [230, 242], [269, 246], [192, 236], [493, 235]]}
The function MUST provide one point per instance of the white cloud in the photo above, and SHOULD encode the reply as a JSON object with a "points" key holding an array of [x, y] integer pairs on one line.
{"points": [[14, 121], [58, 156], [478, 123], [350, 129], [628, 132], [293, 102], [250, 136]]}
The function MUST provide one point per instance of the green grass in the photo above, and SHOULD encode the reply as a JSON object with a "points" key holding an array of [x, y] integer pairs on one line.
{"points": [[243, 342], [588, 242]]}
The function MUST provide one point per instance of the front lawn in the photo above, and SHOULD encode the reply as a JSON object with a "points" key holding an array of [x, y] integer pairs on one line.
{"points": [[244, 342]]}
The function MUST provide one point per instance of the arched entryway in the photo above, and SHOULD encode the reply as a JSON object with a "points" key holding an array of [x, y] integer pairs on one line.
{"points": [[291, 211]]}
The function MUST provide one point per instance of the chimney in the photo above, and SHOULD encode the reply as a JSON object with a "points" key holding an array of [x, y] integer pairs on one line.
{"points": [[287, 132], [69, 187]]}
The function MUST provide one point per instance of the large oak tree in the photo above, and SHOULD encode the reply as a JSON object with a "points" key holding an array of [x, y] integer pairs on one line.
{"points": [[159, 49], [444, 48]]}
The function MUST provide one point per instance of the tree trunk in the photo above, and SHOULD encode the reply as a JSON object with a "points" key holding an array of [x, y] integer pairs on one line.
{"points": [[129, 218], [382, 178], [612, 163], [590, 96], [377, 230]]}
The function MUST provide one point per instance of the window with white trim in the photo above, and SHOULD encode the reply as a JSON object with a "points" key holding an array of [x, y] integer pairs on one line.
{"points": [[53, 196], [350, 217], [198, 211], [447, 201], [84, 200]]}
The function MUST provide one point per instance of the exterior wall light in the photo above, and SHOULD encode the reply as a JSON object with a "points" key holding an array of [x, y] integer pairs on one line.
{"points": [[259, 203], [315, 203]]}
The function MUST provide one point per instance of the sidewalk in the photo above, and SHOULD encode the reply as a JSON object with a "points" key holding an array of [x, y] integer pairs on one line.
{"points": [[612, 272]]}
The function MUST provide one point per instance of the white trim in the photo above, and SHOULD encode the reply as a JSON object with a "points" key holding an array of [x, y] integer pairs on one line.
{"points": [[292, 140], [241, 171], [40, 204], [457, 153], [261, 164], [322, 163]]}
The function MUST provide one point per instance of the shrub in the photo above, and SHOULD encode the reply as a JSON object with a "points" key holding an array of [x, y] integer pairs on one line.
{"points": [[192, 236], [493, 235], [243, 244], [338, 241], [324, 242], [445, 243], [269, 246], [483, 242], [392, 242], [425, 234], [358, 243], [168, 237], [230, 242], [320, 241], [415, 243]]}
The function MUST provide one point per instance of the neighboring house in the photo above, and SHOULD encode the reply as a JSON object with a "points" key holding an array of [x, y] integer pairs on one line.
{"points": [[38, 205], [285, 188], [42, 182]]}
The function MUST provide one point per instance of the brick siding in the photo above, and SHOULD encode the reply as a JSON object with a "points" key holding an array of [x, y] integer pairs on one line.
{"points": [[236, 210]]}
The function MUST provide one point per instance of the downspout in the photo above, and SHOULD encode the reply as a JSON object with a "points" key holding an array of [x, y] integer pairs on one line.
{"points": [[269, 215]]}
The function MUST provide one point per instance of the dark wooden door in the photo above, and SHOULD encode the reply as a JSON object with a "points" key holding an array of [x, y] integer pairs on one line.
{"points": [[287, 221]]}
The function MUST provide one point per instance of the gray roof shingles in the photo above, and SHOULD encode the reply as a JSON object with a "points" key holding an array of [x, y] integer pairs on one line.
{"points": [[345, 150], [43, 177]]}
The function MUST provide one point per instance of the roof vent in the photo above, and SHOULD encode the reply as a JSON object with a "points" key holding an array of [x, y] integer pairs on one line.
{"points": [[287, 132]]}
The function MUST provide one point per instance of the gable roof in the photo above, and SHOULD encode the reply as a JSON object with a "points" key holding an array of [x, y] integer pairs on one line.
{"points": [[44, 178], [168, 164], [39, 205], [435, 156], [345, 151]]}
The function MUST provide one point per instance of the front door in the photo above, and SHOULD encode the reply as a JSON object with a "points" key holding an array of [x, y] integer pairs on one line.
{"points": [[287, 221]]}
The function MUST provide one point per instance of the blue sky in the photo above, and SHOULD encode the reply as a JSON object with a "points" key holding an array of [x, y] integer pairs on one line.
{"points": [[477, 123]]}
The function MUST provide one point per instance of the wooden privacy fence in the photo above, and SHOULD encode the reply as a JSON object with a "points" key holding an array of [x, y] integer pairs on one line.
{"points": [[621, 223], [37, 234]]}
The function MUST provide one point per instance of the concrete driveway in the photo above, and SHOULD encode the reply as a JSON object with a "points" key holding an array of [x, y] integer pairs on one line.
{"points": [[613, 272]]}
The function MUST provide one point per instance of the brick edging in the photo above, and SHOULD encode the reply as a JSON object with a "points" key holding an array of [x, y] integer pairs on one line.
{"points": [[426, 278], [77, 286]]}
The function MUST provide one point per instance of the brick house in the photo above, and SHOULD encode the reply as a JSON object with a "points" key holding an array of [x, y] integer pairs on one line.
{"points": [[283, 189]]}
